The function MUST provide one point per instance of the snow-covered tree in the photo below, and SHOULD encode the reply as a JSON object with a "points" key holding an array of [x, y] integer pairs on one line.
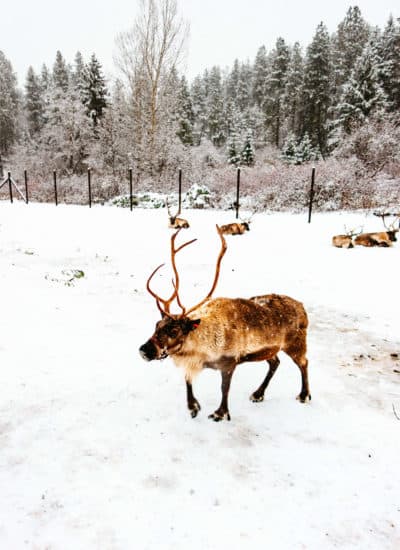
{"points": [[348, 43], [148, 54], [113, 150], [363, 93], [289, 149], [34, 102], [305, 151], [292, 94], [248, 154], [94, 90], [185, 113], [275, 87], [60, 75], [78, 74], [215, 108], [389, 49], [260, 74], [234, 149], [198, 98], [317, 89], [8, 105]]}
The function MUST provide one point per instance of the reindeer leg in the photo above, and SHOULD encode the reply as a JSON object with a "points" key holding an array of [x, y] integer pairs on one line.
{"points": [[297, 351], [192, 403], [223, 412], [258, 395]]}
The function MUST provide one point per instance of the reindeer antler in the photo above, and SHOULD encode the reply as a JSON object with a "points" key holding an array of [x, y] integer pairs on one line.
{"points": [[165, 310], [167, 303], [217, 270]]}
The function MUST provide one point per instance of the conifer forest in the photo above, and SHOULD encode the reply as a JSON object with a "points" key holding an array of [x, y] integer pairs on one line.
{"points": [[332, 104]]}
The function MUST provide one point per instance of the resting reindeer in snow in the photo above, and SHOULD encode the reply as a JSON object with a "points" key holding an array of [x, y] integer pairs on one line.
{"points": [[345, 240], [380, 238], [220, 333], [236, 228], [173, 221]]}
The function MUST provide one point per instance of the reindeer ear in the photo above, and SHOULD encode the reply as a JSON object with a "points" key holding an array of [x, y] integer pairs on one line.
{"points": [[190, 324]]}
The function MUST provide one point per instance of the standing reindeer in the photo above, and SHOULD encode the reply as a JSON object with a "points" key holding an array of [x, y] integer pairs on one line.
{"points": [[173, 221], [220, 333]]}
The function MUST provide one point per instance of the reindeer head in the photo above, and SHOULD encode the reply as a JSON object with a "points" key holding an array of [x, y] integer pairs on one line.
{"points": [[391, 230], [173, 329]]}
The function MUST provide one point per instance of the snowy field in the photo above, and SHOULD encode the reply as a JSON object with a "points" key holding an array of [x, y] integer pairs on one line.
{"points": [[97, 448]]}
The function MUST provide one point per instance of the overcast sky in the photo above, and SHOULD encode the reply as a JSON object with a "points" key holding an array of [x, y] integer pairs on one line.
{"points": [[220, 30]]}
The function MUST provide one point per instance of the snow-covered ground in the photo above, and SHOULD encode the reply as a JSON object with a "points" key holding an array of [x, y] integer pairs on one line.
{"points": [[97, 448]]}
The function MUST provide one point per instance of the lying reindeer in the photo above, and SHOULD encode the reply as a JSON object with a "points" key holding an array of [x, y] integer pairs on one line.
{"points": [[173, 221], [236, 228], [345, 240], [221, 333], [381, 238]]}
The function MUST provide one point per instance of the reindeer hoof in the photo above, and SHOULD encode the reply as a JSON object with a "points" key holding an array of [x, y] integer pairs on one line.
{"points": [[256, 398], [303, 398], [217, 417], [194, 409]]}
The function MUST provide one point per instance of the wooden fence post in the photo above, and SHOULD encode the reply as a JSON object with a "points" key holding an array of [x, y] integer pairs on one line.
{"points": [[26, 186], [89, 188], [55, 187], [237, 192], [311, 194], [179, 192], [10, 187], [130, 188]]}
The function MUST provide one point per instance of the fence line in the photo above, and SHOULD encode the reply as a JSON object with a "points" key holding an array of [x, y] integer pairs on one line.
{"points": [[236, 204]]}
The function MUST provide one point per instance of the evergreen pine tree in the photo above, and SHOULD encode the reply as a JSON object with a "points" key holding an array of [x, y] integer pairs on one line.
{"points": [[233, 149], [94, 89], [78, 75], [289, 149], [317, 89], [351, 37], [274, 91], [292, 94], [185, 113], [248, 155], [9, 105], [60, 76], [260, 75], [34, 102], [390, 55], [305, 151], [198, 97], [363, 93], [214, 108]]}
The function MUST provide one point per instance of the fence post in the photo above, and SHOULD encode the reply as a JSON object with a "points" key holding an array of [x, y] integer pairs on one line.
{"points": [[26, 186], [89, 188], [130, 188], [10, 187], [311, 194], [237, 192], [1, 168], [179, 192], [55, 187]]}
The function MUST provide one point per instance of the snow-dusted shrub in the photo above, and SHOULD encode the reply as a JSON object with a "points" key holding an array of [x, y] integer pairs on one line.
{"points": [[198, 196], [141, 200]]}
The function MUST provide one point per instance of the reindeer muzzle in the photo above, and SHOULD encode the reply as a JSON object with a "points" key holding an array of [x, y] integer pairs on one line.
{"points": [[149, 351]]}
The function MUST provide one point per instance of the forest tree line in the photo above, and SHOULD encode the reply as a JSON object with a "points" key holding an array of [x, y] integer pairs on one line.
{"points": [[337, 98]]}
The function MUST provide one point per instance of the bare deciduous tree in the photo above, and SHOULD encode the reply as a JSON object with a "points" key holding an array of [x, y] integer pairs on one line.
{"points": [[148, 56]]}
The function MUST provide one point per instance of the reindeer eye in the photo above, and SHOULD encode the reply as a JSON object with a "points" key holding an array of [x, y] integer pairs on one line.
{"points": [[173, 332]]}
